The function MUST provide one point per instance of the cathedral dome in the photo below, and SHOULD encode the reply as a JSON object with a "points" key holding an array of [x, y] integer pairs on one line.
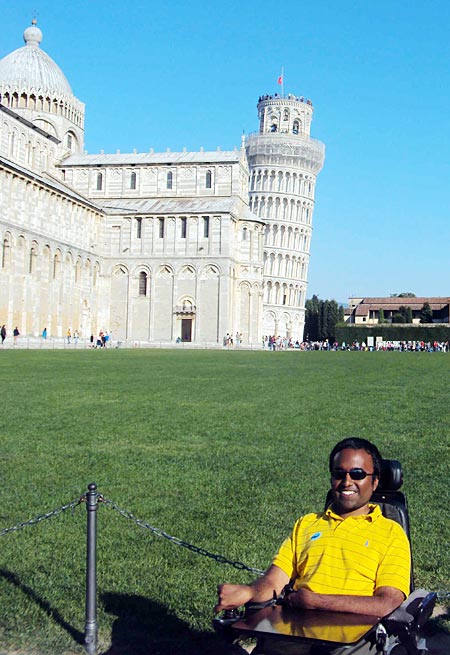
{"points": [[30, 70]]}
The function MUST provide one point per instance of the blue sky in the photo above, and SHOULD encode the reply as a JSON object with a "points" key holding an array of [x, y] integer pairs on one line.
{"points": [[178, 74]]}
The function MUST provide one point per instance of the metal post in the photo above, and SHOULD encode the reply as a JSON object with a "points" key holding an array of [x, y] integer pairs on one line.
{"points": [[90, 630]]}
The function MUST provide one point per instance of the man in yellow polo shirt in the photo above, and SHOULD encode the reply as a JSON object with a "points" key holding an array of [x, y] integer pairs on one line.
{"points": [[347, 559]]}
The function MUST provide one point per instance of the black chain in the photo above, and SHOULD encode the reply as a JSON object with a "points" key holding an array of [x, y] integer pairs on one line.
{"points": [[43, 517], [179, 542]]}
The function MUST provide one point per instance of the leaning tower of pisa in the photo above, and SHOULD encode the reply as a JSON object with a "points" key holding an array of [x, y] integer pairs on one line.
{"points": [[284, 163]]}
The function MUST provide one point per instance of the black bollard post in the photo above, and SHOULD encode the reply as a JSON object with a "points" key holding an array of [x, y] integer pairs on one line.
{"points": [[90, 630]]}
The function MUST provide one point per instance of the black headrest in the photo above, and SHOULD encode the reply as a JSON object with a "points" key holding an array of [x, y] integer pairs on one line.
{"points": [[391, 478]]}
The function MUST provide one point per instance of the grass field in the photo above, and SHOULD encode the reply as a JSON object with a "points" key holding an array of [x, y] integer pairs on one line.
{"points": [[222, 449]]}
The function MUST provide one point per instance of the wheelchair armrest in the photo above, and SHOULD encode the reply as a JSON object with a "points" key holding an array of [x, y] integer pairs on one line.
{"points": [[414, 611]]}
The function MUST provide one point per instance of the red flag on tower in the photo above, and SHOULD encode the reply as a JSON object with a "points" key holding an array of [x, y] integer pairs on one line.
{"points": [[280, 79]]}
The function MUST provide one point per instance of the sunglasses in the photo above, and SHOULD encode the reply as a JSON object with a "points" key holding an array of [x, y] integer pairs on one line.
{"points": [[355, 474]]}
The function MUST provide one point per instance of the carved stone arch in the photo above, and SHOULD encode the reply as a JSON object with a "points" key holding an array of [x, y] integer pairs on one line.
{"points": [[276, 299], [270, 314], [120, 270], [210, 271], [245, 287], [186, 305], [187, 272], [7, 243], [57, 261], [165, 271], [44, 123], [95, 274], [272, 263], [141, 268]]}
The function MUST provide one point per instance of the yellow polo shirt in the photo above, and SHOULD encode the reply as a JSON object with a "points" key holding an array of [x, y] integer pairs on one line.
{"points": [[356, 555]]}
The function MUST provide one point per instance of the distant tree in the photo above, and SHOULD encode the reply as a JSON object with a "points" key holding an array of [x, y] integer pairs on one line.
{"points": [[381, 318], [406, 294], [403, 310], [409, 315], [332, 319], [321, 317], [426, 313], [312, 319], [341, 314], [398, 317]]}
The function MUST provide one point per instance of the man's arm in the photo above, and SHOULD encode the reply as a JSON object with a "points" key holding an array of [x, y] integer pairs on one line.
{"points": [[235, 595], [384, 601]]}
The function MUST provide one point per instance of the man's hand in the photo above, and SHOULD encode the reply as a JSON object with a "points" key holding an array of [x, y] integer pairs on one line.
{"points": [[302, 599], [232, 596], [262, 589]]}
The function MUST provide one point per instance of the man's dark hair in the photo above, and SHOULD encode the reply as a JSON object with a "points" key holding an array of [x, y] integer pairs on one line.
{"points": [[355, 443]]}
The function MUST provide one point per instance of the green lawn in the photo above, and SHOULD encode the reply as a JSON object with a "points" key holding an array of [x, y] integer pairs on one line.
{"points": [[222, 449]]}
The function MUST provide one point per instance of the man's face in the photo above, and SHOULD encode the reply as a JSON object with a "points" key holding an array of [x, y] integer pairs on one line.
{"points": [[352, 496]]}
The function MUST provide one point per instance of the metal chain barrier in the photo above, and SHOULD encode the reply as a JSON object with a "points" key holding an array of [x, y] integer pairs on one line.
{"points": [[44, 517], [179, 542]]}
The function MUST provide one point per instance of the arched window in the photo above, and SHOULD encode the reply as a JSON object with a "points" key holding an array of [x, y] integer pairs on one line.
{"points": [[206, 227], [133, 180], [33, 259], [244, 234], [169, 180], [142, 283], [56, 266], [139, 228], [99, 181], [296, 127], [208, 180], [6, 253]]}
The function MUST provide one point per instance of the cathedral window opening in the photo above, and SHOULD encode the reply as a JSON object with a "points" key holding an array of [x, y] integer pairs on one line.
{"points": [[32, 262], [286, 115], [133, 181], [273, 127], [5, 253], [99, 181], [296, 127], [208, 180], [56, 266], [244, 234], [169, 180], [206, 227], [142, 283], [139, 228], [69, 142], [161, 228], [284, 298], [183, 228]]}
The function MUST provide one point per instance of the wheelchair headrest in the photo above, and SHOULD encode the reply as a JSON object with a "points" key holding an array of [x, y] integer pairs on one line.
{"points": [[391, 477]]}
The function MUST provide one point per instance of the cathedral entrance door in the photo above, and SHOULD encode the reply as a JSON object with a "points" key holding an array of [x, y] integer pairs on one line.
{"points": [[186, 329]]}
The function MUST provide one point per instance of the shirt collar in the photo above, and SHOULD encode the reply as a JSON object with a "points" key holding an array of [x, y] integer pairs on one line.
{"points": [[374, 513]]}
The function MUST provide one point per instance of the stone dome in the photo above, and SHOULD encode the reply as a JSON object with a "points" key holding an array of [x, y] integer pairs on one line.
{"points": [[30, 70]]}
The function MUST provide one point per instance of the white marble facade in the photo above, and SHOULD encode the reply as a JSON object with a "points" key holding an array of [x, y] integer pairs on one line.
{"points": [[154, 247]]}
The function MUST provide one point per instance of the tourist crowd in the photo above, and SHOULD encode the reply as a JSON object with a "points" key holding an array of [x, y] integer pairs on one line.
{"points": [[283, 343]]}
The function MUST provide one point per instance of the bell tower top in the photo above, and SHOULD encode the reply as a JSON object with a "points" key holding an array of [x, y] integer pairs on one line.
{"points": [[287, 114]]}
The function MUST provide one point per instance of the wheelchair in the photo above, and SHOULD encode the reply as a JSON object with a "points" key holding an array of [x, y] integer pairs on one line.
{"points": [[278, 630]]}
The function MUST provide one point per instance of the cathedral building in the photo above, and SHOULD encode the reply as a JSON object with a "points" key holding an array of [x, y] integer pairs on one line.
{"points": [[153, 247]]}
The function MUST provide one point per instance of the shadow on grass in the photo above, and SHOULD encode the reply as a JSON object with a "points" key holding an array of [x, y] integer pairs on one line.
{"points": [[53, 613], [144, 627]]}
